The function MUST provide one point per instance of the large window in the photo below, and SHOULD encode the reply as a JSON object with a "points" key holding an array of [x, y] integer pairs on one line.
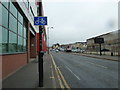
{"points": [[13, 29], [13, 10], [20, 18], [4, 17], [12, 42], [20, 29], [4, 40], [0, 39], [24, 45], [5, 3], [20, 43], [12, 23]]}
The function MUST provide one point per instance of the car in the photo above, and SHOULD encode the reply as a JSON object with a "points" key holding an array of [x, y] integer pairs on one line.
{"points": [[56, 50]]}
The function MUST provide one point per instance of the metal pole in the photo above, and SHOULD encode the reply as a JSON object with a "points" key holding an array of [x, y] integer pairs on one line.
{"points": [[40, 59], [100, 50], [48, 40]]}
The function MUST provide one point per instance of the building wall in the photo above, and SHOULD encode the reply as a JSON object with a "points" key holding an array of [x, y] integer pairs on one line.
{"points": [[33, 51], [11, 63], [15, 46], [111, 42]]}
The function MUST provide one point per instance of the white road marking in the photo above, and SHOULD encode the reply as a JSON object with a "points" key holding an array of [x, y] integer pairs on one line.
{"points": [[73, 73], [98, 65]]}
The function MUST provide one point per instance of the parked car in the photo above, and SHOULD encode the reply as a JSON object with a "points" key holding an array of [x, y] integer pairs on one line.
{"points": [[56, 50], [78, 50], [74, 50], [61, 49]]}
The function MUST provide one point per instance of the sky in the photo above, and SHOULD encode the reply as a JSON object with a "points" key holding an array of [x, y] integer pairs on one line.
{"points": [[78, 20]]}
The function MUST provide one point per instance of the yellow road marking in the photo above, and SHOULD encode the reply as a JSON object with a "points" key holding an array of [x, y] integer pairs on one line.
{"points": [[60, 82], [67, 86], [62, 77]]}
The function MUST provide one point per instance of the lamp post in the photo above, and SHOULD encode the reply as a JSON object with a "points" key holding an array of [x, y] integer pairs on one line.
{"points": [[48, 28]]}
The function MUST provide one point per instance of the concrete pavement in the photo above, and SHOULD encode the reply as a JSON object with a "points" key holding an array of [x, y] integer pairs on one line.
{"points": [[113, 58], [27, 77]]}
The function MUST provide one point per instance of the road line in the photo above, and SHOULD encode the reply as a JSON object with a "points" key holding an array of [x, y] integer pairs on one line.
{"points": [[62, 77], [98, 65], [53, 79], [73, 73], [60, 82]]}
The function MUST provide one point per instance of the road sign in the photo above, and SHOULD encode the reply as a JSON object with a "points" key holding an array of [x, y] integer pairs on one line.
{"points": [[40, 20], [99, 40]]}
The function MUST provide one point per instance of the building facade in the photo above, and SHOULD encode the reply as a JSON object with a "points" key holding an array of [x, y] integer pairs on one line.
{"points": [[20, 37], [109, 47], [76, 45]]}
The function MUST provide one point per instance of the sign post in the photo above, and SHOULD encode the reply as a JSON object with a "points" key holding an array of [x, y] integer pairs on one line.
{"points": [[99, 41], [40, 21]]}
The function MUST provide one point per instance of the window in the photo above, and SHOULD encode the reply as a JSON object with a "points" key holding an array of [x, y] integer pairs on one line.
{"points": [[12, 23], [20, 18], [12, 30], [12, 42], [13, 10], [0, 39], [24, 32], [5, 3], [20, 29], [24, 45], [0, 14], [20, 44], [4, 17], [4, 40]]}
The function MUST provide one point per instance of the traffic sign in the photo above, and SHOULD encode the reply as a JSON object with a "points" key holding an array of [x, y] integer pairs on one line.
{"points": [[40, 20], [99, 40]]}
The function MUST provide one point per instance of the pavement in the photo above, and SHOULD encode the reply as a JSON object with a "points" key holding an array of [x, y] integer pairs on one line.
{"points": [[107, 57], [28, 76]]}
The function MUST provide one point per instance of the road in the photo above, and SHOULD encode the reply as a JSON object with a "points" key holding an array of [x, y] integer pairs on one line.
{"points": [[87, 72]]}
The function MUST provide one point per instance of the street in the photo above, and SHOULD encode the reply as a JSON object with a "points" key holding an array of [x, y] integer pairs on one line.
{"points": [[86, 72]]}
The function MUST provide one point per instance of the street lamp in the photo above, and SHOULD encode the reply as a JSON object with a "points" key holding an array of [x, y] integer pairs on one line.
{"points": [[48, 28]]}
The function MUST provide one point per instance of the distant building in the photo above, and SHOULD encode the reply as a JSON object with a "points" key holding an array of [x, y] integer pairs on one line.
{"points": [[111, 44], [77, 45]]}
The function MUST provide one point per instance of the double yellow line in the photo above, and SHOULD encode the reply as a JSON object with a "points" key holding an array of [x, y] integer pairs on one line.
{"points": [[62, 81]]}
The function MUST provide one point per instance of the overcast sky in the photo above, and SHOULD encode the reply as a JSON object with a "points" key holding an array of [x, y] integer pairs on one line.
{"points": [[78, 20]]}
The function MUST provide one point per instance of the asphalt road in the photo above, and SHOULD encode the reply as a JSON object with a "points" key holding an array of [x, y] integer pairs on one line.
{"points": [[87, 72]]}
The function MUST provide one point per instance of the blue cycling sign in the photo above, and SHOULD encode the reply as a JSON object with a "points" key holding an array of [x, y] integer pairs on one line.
{"points": [[40, 20]]}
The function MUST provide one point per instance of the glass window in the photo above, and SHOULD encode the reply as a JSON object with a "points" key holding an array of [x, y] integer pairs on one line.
{"points": [[12, 23], [25, 32], [0, 39], [0, 14], [20, 29], [4, 40], [5, 3], [13, 9], [20, 18], [12, 42], [20, 44], [4, 17], [24, 45]]}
